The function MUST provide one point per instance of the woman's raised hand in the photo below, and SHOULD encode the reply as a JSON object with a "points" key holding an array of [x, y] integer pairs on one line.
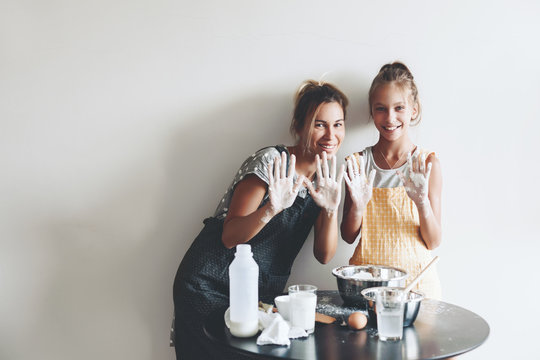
{"points": [[417, 182], [328, 192], [360, 187], [281, 189]]}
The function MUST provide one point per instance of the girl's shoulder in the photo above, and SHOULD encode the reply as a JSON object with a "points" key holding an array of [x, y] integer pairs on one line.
{"points": [[358, 154]]}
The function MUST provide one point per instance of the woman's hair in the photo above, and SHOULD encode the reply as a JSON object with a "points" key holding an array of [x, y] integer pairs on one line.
{"points": [[399, 74], [308, 100]]}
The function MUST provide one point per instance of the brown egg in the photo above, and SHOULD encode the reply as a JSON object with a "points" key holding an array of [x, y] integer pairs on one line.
{"points": [[357, 321]]}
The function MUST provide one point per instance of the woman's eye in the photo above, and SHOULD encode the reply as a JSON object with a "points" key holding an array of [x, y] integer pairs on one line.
{"points": [[399, 108], [379, 109], [338, 124]]}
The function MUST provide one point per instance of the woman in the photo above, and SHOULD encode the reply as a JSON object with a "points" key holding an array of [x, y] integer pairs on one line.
{"points": [[277, 196]]}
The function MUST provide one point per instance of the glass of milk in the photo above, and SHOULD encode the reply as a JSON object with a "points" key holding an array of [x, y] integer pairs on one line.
{"points": [[389, 303], [302, 304]]}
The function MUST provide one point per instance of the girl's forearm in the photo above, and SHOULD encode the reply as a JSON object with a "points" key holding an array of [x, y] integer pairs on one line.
{"points": [[430, 226], [351, 224]]}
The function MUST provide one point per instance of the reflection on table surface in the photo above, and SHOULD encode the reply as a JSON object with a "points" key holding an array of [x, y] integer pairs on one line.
{"points": [[441, 330]]}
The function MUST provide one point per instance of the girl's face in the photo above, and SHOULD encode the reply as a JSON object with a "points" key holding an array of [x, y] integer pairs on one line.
{"points": [[327, 131], [392, 111]]}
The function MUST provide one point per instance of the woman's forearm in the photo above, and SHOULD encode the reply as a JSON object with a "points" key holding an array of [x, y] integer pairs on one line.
{"points": [[241, 229], [326, 236]]}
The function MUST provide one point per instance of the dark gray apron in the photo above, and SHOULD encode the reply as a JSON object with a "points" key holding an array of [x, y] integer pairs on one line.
{"points": [[202, 280]]}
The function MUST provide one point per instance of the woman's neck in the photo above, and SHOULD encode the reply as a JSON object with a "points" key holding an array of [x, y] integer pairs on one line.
{"points": [[305, 162]]}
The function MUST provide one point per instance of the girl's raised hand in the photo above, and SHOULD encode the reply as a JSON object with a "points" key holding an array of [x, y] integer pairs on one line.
{"points": [[360, 187], [281, 189], [417, 183], [328, 192]]}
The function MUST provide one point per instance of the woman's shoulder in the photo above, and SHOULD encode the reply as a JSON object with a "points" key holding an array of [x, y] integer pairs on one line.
{"points": [[266, 154]]}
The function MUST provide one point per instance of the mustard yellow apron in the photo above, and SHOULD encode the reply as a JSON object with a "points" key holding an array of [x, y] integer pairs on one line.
{"points": [[391, 236]]}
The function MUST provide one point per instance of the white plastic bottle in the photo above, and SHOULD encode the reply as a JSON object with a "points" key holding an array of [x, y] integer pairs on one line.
{"points": [[244, 293]]}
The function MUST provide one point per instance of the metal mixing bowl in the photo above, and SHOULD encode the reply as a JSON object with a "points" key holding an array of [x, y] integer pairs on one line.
{"points": [[411, 308], [352, 279]]}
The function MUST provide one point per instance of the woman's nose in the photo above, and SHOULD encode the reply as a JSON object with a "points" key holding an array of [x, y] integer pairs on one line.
{"points": [[330, 131]]}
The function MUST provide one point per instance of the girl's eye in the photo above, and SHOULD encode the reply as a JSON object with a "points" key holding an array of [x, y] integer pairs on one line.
{"points": [[319, 125], [338, 124], [379, 108], [399, 108]]}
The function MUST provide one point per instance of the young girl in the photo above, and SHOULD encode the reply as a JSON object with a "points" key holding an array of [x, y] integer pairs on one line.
{"points": [[268, 207], [396, 209]]}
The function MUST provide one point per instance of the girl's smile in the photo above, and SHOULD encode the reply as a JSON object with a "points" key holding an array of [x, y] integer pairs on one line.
{"points": [[392, 111]]}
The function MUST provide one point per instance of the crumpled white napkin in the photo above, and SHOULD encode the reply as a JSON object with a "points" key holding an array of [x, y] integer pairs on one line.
{"points": [[275, 329]]}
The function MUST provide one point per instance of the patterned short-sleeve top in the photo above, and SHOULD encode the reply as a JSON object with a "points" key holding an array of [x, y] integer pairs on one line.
{"points": [[256, 164]]}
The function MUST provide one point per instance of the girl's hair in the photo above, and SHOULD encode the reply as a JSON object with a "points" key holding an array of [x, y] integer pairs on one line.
{"points": [[399, 74], [308, 100]]}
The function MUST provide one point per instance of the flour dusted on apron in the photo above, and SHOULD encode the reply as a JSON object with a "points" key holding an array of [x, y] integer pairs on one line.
{"points": [[390, 233]]}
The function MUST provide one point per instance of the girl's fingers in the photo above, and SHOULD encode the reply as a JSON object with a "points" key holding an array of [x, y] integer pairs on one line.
{"points": [[401, 177], [283, 165], [428, 172], [350, 168], [347, 179], [362, 171], [423, 163], [410, 162], [292, 167], [371, 177]]}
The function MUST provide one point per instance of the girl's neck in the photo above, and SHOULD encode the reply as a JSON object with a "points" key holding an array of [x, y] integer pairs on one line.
{"points": [[392, 154], [305, 162]]}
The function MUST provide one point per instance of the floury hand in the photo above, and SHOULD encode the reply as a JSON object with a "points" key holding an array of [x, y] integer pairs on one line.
{"points": [[417, 182], [282, 191], [360, 187], [328, 192]]}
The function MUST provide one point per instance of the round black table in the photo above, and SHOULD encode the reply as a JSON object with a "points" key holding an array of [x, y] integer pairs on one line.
{"points": [[441, 330]]}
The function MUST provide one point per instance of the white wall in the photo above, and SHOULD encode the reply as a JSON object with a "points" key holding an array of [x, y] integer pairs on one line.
{"points": [[122, 123]]}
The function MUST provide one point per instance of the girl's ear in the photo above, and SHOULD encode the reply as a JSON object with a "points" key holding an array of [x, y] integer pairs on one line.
{"points": [[415, 111]]}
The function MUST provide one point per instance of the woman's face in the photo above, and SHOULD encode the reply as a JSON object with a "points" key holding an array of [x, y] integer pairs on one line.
{"points": [[327, 131]]}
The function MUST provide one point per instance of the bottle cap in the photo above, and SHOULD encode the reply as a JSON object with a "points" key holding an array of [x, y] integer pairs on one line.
{"points": [[243, 249]]}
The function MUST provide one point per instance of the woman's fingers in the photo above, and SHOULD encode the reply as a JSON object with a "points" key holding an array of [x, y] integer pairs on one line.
{"points": [[298, 184], [271, 172], [292, 167], [320, 178], [277, 165], [333, 167], [326, 171], [283, 165], [341, 173]]}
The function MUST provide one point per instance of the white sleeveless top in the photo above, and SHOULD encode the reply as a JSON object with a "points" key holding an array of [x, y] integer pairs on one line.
{"points": [[385, 178]]}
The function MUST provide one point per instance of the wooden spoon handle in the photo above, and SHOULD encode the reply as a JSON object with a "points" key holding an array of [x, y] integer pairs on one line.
{"points": [[419, 276]]}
